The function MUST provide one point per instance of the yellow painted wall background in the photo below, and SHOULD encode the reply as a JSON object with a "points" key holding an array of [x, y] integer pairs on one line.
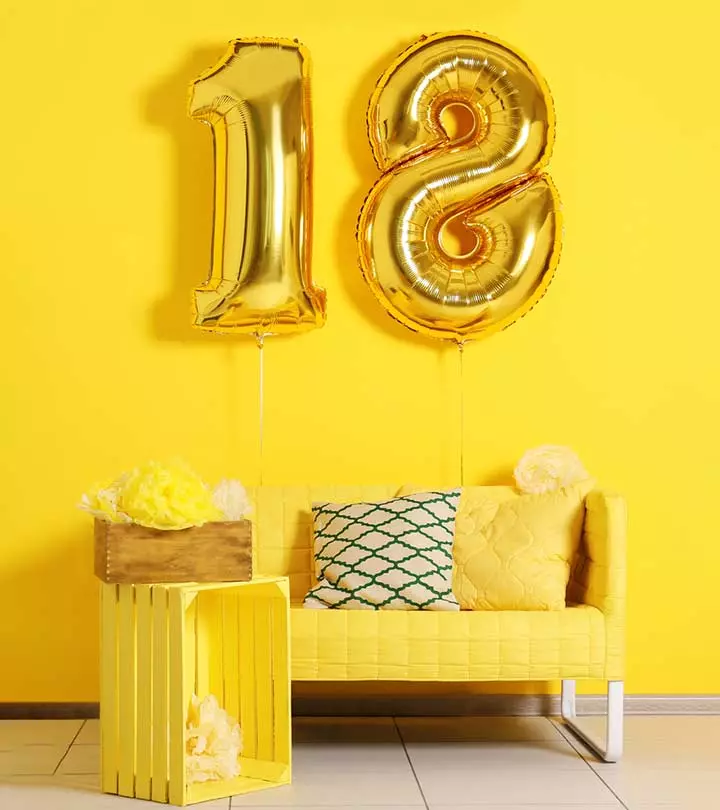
{"points": [[105, 213]]}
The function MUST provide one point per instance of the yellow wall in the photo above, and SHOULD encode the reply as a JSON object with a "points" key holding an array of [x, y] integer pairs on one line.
{"points": [[105, 207]]}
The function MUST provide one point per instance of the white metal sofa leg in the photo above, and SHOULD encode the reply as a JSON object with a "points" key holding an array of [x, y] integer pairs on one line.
{"points": [[612, 750]]}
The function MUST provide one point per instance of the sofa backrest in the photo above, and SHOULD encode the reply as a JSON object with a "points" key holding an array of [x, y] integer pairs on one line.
{"points": [[282, 520]]}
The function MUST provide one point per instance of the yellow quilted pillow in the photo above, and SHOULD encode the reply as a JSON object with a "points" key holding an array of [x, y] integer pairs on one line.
{"points": [[513, 552]]}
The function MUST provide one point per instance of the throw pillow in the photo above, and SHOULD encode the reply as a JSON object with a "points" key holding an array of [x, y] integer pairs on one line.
{"points": [[394, 555], [513, 552], [517, 555]]}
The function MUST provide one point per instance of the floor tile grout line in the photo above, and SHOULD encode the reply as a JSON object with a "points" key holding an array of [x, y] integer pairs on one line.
{"points": [[573, 743], [67, 750], [563, 737], [410, 763]]}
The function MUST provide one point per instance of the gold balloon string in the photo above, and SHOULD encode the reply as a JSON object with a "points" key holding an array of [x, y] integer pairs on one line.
{"points": [[461, 353], [260, 339]]}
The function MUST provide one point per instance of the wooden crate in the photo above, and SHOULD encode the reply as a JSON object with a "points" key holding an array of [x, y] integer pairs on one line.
{"points": [[163, 643], [215, 552]]}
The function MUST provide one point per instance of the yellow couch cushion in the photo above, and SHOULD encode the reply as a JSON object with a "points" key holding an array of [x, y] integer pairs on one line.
{"points": [[513, 552], [423, 645]]}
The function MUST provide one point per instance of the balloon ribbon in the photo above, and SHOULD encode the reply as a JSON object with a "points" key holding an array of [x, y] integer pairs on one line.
{"points": [[461, 351], [260, 338]]}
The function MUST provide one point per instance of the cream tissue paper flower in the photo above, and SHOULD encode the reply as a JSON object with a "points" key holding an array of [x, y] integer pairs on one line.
{"points": [[548, 468], [103, 502], [230, 497], [213, 742]]}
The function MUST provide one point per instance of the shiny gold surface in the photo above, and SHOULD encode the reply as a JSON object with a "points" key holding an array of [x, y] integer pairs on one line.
{"points": [[480, 172], [257, 102]]}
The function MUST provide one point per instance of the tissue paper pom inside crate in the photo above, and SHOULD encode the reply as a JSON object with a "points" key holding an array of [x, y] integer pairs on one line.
{"points": [[214, 552]]}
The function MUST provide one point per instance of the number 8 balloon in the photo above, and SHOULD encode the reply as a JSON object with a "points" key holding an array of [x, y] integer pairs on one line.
{"points": [[487, 181]]}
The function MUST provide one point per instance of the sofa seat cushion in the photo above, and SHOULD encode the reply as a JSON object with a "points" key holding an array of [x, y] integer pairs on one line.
{"points": [[436, 646]]}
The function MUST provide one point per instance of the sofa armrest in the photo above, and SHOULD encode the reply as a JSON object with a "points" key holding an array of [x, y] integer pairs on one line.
{"points": [[599, 576]]}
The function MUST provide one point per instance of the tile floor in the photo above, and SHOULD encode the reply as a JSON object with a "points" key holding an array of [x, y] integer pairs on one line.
{"points": [[671, 763]]}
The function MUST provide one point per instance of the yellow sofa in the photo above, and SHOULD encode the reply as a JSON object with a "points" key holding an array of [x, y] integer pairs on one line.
{"points": [[585, 640]]}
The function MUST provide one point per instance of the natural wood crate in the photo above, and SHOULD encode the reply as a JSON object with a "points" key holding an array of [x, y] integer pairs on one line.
{"points": [[215, 552], [163, 643]]}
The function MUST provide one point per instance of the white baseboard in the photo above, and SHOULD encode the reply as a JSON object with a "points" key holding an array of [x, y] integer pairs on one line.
{"points": [[497, 705], [652, 704], [419, 706]]}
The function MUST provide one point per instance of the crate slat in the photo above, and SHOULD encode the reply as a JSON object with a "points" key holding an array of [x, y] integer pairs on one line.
{"points": [[281, 681], [246, 666], [211, 602], [204, 644], [178, 697], [230, 652], [108, 689], [190, 649], [264, 707], [143, 607], [159, 690], [127, 695]]}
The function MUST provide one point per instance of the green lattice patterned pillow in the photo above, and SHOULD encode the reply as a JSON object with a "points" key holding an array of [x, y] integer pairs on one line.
{"points": [[393, 555]]}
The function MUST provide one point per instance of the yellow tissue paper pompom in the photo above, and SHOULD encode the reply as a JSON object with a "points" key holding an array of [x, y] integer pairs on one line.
{"points": [[167, 496]]}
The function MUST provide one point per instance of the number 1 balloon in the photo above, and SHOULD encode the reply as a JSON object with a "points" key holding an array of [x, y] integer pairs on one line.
{"points": [[488, 181], [257, 102]]}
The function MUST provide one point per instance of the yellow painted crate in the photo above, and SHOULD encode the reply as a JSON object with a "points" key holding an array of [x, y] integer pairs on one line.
{"points": [[163, 643]]}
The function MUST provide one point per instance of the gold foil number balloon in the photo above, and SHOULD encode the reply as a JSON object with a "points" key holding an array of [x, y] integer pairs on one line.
{"points": [[480, 181], [257, 102]]}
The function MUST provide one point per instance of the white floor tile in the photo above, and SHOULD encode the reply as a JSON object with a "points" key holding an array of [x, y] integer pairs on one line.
{"points": [[81, 781], [662, 754], [663, 727], [700, 804], [651, 747], [615, 806], [312, 758], [339, 789], [671, 727], [510, 786], [81, 759], [485, 756], [345, 730], [31, 759], [652, 786], [72, 793], [476, 729], [89, 733], [14, 733]]}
